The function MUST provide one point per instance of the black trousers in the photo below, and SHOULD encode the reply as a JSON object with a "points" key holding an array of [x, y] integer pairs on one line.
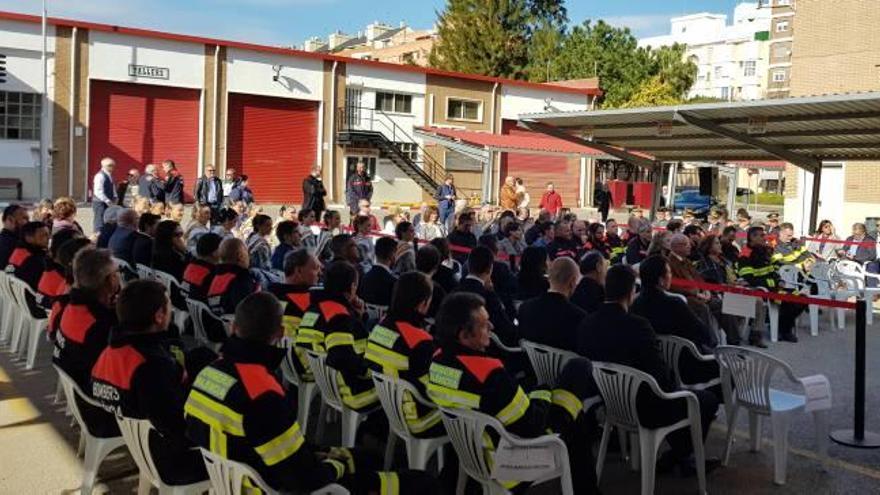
{"points": [[656, 413]]}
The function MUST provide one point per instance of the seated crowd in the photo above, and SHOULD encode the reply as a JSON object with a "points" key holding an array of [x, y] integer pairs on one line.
{"points": [[442, 315]]}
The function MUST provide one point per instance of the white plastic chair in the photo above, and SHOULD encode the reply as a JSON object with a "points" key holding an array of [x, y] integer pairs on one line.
{"points": [[7, 306], [199, 311], [96, 449], [15, 314], [619, 386], [497, 341], [29, 330], [305, 390], [853, 277], [467, 430], [136, 433], [227, 478], [546, 361], [746, 376], [820, 275], [126, 271], [392, 394], [173, 287], [671, 347], [375, 312], [144, 272], [772, 315], [326, 379], [790, 276]]}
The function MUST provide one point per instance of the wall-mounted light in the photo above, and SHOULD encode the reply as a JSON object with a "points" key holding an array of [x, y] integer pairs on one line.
{"points": [[277, 72]]}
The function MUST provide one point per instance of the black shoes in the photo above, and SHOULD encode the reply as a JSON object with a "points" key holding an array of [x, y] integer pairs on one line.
{"points": [[788, 337]]}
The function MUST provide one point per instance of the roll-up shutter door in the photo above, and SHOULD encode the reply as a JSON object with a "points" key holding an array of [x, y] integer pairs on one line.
{"points": [[274, 142], [536, 170], [138, 124]]}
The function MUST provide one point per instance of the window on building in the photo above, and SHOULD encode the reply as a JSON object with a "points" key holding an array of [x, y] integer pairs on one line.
{"points": [[725, 93], [20, 115], [781, 26], [351, 165], [408, 149], [779, 76], [783, 2], [749, 68], [464, 109], [719, 72], [393, 102]]}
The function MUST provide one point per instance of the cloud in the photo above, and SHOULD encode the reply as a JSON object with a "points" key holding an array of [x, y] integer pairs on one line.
{"points": [[642, 24]]}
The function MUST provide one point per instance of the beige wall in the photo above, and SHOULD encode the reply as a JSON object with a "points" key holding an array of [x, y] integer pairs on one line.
{"points": [[441, 88], [63, 113]]}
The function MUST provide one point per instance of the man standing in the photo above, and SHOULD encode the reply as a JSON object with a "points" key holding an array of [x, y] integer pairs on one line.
{"points": [[508, 195], [103, 192], [551, 201], [150, 186], [230, 181], [127, 190], [359, 187], [603, 200], [446, 200], [173, 183], [314, 192], [209, 192]]}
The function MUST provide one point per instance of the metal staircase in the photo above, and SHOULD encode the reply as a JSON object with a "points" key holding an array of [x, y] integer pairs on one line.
{"points": [[369, 127]]}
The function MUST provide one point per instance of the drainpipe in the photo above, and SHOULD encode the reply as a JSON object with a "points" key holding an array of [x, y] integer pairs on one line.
{"points": [[215, 110], [332, 181], [72, 121], [494, 157]]}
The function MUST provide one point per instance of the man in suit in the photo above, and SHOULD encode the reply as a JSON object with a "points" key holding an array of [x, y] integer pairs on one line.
{"points": [[314, 192], [121, 243], [503, 279], [358, 186], [142, 245], [378, 283], [479, 281], [669, 315], [151, 186], [446, 200], [613, 335], [590, 292], [173, 183], [103, 192], [209, 192], [551, 319]]}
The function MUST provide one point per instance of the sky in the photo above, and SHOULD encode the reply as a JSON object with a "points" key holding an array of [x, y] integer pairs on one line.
{"points": [[290, 22]]}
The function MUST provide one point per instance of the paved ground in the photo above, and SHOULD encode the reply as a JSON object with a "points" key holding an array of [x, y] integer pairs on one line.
{"points": [[37, 442]]}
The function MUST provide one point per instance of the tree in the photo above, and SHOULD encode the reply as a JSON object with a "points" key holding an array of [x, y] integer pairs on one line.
{"points": [[673, 69], [653, 92], [488, 37]]}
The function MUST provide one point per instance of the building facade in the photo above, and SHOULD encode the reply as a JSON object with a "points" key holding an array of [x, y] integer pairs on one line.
{"points": [[731, 59], [824, 62], [781, 47], [380, 42], [272, 113]]}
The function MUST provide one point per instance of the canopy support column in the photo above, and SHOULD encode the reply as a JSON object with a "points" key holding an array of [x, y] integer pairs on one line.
{"points": [[814, 199]]}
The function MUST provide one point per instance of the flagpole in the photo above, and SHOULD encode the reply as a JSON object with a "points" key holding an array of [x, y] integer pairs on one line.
{"points": [[44, 111]]}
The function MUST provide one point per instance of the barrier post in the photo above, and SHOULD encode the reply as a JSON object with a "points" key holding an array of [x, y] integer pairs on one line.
{"points": [[857, 436]]}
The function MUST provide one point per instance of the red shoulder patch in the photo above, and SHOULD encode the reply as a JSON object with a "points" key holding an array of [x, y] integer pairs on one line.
{"points": [[54, 316], [412, 334], [220, 283], [195, 274], [19, 256], [302, 300], [257, 380], [116, 366], [76, 320], [480, 367], [331, 309], [52, 283]]}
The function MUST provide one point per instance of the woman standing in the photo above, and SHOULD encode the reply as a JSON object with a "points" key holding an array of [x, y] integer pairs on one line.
{"points": [[521, 194]]}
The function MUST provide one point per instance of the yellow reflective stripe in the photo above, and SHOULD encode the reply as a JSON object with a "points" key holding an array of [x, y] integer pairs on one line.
{"points": [[336, 339], [291, 325], [425, 379], [282, 446], [568, 401], [355, 401], [214, 382], [389, 483], [447, 397], [338, 466], [214, 414], [388, 359], [309, 336], [217, 441], [515, 409], [424, 423], [360, 346], [540, 395], [746, 270]]}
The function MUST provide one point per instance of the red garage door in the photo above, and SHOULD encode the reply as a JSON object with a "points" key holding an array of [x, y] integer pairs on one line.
{"points": [[537, 170], [138, 124], [274, 142]]}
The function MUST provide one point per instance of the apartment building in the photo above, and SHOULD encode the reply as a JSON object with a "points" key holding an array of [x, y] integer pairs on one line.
{"points": [[781, 46], [380, 42], [731, 59], [142, 96], [826, 62]]}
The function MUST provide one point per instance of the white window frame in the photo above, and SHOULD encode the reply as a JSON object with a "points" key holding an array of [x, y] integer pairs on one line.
{"points": [[394, 110], [14, 119], [782, 27], [725, 92], [750, 68], [719, 71], [779, 76], [479, 103]]}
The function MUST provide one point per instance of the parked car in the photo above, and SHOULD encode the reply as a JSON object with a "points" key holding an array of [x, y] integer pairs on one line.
{"points": [[693, 200]]}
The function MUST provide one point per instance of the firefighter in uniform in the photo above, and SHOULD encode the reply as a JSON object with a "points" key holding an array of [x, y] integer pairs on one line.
{"points": [[302, 270], [237, 409], [197, 273], [334, 324], [28, 261], [616, 245], [791, 251], [463, 376], [231, 280], [80, 328], [137, 376], [759, 269], [400, 347]]}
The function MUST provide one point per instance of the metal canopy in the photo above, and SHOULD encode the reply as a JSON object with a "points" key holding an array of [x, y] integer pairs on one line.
{"points": [[803, 131]]}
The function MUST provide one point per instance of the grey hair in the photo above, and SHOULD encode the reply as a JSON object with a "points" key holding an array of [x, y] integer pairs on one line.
{"points": [[92, 267], [127, 218], [111, 214]]}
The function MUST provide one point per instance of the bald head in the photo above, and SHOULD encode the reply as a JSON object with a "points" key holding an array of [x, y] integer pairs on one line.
{"points": [[680, 244], [564, 276], [232, 251]]}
